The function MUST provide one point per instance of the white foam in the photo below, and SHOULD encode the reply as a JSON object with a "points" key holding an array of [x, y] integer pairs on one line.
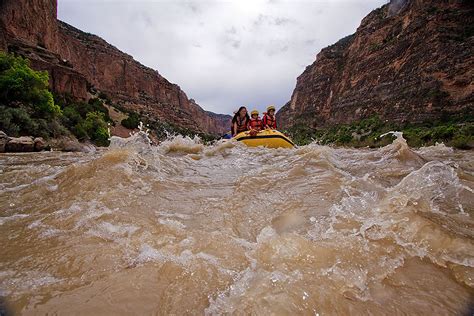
{"points": [[6, 219], [172, 214], [266, 234], [23, 282], [172, 223], [109, 231]]}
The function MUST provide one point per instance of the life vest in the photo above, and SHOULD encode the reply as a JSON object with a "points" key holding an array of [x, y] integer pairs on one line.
{"points": [[269, 121], [256, 124], [242, 125]]}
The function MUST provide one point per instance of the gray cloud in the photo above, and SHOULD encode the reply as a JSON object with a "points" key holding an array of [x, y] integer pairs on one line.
{"points": [[282, 21], [223, 54], [236, 44]]}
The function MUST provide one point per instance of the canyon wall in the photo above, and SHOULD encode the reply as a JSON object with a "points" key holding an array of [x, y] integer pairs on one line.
{"points": [[80, 63], [409, 61], [29, 28]]}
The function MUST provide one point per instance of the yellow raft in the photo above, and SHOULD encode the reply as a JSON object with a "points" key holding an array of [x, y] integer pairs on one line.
{"points": [[267, 138]]}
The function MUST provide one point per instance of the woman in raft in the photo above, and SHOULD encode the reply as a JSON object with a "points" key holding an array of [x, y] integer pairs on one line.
{"points": [[240, 122]]}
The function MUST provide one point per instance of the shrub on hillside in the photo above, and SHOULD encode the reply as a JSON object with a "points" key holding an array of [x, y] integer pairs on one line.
{"points": [[86, 120], [454, 131], [21, 85], [96, 128], [26, 105], [131, 121]]}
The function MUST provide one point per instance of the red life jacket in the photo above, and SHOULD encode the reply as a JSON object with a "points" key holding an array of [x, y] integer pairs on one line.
{"points": [[256, 124], [269, 121], [242, 125]]}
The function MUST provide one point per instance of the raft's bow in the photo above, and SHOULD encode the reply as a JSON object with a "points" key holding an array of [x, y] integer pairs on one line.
{"points": [[267, 138]]}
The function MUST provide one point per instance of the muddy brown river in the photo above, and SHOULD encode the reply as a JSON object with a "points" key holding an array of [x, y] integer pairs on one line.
{"points": [[188, 229]]}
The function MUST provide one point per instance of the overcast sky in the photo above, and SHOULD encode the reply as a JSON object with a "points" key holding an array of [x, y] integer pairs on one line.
{"points": [[223, 54]]}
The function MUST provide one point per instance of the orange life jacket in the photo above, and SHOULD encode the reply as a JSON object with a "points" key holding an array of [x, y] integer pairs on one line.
{"points": [[242, 125], [256, 124], [269, 121]]}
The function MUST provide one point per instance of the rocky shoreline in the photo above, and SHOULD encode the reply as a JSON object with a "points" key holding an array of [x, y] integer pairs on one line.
{"points": [[24, 144]]}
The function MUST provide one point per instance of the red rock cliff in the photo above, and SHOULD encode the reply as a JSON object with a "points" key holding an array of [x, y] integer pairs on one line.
{"points": [[409, 61], [29, 28], [77, 60], [31, 20]]}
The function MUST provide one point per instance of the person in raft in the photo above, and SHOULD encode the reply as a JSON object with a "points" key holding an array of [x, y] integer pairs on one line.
{"points": [[255, 124], [269, 119], [240, 122]]}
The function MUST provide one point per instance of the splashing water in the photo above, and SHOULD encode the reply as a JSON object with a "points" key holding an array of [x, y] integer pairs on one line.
{"points": [[184, 228]]}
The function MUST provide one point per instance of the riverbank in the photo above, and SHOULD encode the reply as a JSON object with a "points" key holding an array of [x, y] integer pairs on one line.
{"points": [[456, 132], [25, 144]]}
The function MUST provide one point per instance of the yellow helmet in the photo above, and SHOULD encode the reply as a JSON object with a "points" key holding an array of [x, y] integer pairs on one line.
{"points": [[254, 112], [270, 107]]}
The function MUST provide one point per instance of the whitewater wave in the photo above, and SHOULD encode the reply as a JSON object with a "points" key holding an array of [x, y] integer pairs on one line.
{"points": [[184, 227]]}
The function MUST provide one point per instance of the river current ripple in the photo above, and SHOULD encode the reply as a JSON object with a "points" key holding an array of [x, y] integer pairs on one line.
{"points": [[184, 228]]}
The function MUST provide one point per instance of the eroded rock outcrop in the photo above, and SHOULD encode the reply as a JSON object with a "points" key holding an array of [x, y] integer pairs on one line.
{"points": [[409, 61], [40, 144], [3, 141], [31, 20], [133, 85], [78, 61], [20, 144]]}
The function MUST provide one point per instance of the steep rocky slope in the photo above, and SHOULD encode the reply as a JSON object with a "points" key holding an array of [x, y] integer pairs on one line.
{"points": [[409, 61], [79, 62]]}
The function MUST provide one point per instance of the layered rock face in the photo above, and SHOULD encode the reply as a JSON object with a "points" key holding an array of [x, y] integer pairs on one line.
{"points": [[78, 61], [29, 28], [409, 61], [133, 85], [34, 21]]}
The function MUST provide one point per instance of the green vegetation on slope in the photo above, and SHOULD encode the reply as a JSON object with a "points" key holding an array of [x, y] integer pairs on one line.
{"points": [[455, 131], [86, 120], [26, 104], [131, 121], [27, 107]]}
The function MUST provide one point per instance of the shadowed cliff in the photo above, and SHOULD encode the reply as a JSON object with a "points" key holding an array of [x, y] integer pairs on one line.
{"points": [[409, 61]]}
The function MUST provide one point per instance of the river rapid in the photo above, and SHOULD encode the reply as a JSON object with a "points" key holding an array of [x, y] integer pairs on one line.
{"points": [[187, 229]]}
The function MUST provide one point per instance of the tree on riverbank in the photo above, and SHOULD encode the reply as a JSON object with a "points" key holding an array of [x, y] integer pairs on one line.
{"points": [[26, 104], [27, 107]]}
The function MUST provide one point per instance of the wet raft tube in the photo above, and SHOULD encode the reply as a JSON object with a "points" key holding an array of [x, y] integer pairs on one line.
{"points": [[267, 138]]}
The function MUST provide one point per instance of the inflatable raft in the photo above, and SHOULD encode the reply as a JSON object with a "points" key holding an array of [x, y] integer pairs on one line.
{"points": [[267, 138]]}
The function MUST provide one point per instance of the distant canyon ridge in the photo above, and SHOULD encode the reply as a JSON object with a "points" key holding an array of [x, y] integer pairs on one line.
{"points": [[80, 63], [409, 61]]}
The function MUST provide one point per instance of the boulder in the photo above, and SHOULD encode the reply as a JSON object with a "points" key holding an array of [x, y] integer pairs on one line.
{"points": [[67, 144], [20, 144], [3, 141], [72, 146], [40, 144]]}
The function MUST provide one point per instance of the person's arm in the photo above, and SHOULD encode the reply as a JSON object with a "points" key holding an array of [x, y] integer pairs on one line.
{"points": [[234, 129]]}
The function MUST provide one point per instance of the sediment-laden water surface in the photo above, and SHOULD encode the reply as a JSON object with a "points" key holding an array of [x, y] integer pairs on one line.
{"points": [[182, 228]]}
